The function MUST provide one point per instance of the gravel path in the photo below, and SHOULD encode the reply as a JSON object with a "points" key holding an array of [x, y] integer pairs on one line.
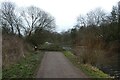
{"points": [[56, 65]]}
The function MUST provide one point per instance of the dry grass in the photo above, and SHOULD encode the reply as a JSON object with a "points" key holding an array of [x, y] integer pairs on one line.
{"points": [[13, 48], [96, 51]]}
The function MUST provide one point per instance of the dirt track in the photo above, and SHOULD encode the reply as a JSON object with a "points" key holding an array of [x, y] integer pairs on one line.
{"points": [[56, 65]]}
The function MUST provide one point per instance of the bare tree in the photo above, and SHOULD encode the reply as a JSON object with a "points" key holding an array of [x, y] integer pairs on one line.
{"points": [[81, 20], [7, 13], [35, 17], [95, 17], [10, 18], [18, 24]]}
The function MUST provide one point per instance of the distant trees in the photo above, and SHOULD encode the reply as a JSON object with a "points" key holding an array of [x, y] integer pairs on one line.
{"points": [[82, 21], [31, 23], [118, 10], [95, 38], [66, 38], [114, 14], [98, 32], [95, 17], [106, 25]]}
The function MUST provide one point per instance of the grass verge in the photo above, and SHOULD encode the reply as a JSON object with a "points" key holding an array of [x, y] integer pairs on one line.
{"points": [[25, 68], [89, 70]]}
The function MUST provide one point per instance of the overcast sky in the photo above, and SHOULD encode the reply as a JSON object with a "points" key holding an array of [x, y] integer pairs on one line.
{"points": [[66, 11]]}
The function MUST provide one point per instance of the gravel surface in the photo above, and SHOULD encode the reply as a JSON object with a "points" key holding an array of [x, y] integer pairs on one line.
{"points": [[56, 65]]}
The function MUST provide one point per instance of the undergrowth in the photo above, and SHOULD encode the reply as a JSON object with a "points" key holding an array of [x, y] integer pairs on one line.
{"points": [[89, 70], [25, 68]]}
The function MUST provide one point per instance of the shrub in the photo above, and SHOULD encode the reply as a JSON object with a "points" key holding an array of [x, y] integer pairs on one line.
{"points": [[13, 49]]}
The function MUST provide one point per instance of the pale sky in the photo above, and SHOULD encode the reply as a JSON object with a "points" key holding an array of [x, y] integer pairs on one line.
{"points": [[66, 11]]}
